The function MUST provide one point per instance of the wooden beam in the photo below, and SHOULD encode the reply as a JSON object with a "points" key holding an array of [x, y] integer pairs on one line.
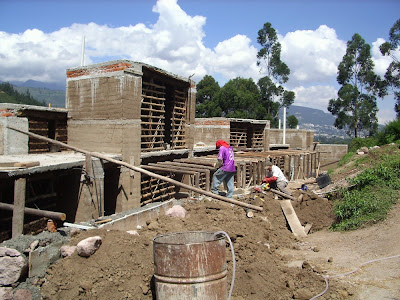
{"points": [[292, 218], [282, 194], [36, 212]]}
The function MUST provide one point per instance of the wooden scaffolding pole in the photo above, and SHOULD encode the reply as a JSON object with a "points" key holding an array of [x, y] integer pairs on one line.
{"points": [[36, 212], [140, 170]]}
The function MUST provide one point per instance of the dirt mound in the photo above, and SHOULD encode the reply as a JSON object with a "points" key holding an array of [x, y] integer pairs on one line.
{"points": [[123, 266]]}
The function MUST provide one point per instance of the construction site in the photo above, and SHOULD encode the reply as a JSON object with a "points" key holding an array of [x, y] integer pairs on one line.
{"points": [[126, 151]]}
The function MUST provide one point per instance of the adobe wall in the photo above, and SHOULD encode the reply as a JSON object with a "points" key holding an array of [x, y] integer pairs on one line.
{"points": [[11, 141], [209, 130], [104, 116], [295, 138], [129, 108], [330, 154]]}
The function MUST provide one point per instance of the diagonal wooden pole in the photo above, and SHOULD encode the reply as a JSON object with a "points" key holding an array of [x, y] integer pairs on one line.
{"points": [[140, 170]]}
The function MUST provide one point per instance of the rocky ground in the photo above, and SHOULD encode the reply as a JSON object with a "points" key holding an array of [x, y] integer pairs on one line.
{"points": [[123, 266], [271, 263]]}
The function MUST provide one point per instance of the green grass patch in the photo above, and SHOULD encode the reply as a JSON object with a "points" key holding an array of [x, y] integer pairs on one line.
{"points": [[346, 159], [375, 191]]}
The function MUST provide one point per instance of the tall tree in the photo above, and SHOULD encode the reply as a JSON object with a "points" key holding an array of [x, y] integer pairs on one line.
{"points": [[206, 106], [239, 98], [392, 75], [273, 94], [292, 121], [355, 108]]}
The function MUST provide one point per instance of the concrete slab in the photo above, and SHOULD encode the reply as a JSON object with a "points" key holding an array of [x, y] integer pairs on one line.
{"points": [[47, 162]]}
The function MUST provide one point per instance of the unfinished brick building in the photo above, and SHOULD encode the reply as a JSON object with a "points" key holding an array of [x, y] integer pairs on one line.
{"points": [[137, 110], [144, 116]]}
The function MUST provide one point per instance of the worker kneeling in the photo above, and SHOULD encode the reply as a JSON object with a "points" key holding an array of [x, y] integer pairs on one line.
{"points": [[275, 178]]}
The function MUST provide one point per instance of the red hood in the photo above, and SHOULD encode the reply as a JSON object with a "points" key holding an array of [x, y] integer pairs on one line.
{"points": [[220, 143]]}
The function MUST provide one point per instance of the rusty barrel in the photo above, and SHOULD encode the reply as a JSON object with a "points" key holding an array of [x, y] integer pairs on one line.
{"points": [[190, 265]]}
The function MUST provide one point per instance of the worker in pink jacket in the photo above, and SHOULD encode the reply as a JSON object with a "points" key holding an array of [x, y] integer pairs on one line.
{"points": [[226, 169]]}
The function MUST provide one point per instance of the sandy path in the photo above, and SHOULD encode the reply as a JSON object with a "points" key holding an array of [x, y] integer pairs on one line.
{"points": [[373, 251]]}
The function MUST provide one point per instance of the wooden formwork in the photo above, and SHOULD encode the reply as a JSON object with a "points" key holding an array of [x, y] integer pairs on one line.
{"points": [[238, 136], [246, 135], [196, 172], [154, 189], [50, 124], [163, 117], [294, 164], [250, 166], [178, 120], [257, 139], [152, 116]]}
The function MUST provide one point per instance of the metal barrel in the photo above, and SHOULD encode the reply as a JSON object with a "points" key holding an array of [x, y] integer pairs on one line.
{"points": [[190, 265]]}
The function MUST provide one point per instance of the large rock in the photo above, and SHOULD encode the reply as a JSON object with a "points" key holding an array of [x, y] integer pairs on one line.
{"points": [[12, 266], [89, 246], [176, 211], [364, 149]]}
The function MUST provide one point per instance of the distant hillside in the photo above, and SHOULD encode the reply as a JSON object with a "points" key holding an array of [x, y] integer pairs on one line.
{"points": [[54, 97], [8, 94], [39, 84], [314, 119]]}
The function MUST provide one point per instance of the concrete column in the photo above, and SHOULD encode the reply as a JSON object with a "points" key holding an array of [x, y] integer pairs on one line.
{"points": [[19, 206]]}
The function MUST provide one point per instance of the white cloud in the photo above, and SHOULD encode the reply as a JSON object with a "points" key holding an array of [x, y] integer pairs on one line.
{"points": [[235, 57], [381, 62], [314, 96], [175, 43], [312, 56], [386, 115]]}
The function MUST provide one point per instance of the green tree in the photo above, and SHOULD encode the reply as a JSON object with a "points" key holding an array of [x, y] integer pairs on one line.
{"points": [[355, 107], [392, 75], [273, 94], [239, 98], [292, 121], [205, 104]]}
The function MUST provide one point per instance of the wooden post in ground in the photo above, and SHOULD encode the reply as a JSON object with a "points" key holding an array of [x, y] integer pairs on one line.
{"points": [[254, 170], [19, 206], [94, 168]]}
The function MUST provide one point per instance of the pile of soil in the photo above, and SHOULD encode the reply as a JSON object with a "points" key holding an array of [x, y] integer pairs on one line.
{"points": [[122, 268]]}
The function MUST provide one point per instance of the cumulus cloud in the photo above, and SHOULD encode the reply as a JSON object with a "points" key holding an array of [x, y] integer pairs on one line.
{"points": [[315, 96], [312, 56], [175, 43], [381, 62], [235, 57]]}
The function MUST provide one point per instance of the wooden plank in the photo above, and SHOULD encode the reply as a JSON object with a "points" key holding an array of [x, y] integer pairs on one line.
{"points": [[19, 206], [292, 218], [36, 212]]}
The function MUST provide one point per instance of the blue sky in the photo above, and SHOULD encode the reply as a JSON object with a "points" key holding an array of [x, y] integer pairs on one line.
{"points": [[40, 39]]}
